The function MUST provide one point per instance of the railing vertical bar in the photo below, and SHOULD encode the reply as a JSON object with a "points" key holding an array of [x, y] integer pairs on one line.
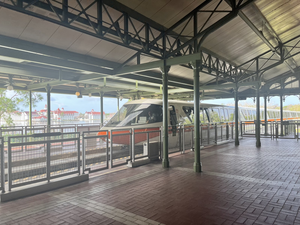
{"points": [[9, 166], [78, 154], [2, 165], [111, 149], [83, 153], [132, 145]]}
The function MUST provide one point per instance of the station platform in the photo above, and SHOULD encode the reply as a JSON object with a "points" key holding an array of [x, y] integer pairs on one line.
{"points": [[238, 185]]}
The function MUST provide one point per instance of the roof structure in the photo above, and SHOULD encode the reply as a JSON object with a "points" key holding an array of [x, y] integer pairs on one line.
{"points": [[119, 47]]}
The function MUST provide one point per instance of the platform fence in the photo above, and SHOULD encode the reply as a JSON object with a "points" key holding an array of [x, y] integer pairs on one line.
{"points": [[95, 150], [49, 160], [120, 147], [275, 129]]}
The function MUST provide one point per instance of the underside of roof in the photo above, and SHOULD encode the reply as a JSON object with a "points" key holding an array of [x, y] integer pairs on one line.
{"points": [[119, 48]]}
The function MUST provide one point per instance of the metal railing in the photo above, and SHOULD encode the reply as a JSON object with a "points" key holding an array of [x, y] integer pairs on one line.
{"points": [[275, 129], [44, 156], [95, 150], [120, 147], [49, 160]]}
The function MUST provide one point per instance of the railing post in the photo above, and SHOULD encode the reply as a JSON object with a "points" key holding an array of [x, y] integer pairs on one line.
{"points": [[227, 131], [111, 149], [201, 135], [192, 141], [148, 145], [48, 160], [2, 165], [216, 133], [161, 142], [241, 127], [9, 166], [107, 154], [276, 130], [83, 153], [221, 132], [208, 133], [179, 137], [78, 153], [183, 139], [232, 131], [132, 145]]}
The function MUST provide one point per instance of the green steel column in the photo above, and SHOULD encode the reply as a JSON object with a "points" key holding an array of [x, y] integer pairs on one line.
{"points": [[236, 116], [281, 115], [48, 88], [197, 162], [101, 107], [266, 114], [30, 109], [258, 144], [165, 162]]}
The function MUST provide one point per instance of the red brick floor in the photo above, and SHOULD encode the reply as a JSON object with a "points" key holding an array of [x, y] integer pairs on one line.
{"points": [[238, 185]]}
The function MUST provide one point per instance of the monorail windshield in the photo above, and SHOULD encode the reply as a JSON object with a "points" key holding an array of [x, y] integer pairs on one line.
{"points": [[136, 114]]}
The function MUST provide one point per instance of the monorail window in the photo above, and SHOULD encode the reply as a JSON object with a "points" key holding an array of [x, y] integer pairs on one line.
{"points": [[189, 112], [136, 114], [215, 115], [231, 114]]}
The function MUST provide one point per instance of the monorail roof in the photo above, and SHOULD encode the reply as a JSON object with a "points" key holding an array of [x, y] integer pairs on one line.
{"points": [[47, 43]]}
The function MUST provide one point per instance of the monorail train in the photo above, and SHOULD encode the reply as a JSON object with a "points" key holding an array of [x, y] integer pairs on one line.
{"points": [[147, 115]]}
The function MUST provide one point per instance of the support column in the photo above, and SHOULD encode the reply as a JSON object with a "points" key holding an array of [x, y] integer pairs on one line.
{"points": [[48, 88], [30, 109], [197, 162], [165, 162], [266, 114], [257, 124], [101, 107], [281, 115], [236, 116]]}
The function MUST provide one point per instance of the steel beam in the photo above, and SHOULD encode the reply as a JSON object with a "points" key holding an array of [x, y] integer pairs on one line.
{"points": [[50, 61], [18, 44]]}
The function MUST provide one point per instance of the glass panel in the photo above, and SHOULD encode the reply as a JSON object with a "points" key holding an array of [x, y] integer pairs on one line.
{"points": [[136, 114]]}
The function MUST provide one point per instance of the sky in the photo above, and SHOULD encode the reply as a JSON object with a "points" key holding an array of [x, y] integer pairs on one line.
{"points": [[81, 105]]}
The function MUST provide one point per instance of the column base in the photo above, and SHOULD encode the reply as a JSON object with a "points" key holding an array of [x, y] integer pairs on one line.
{"points": [[165, 163], [197, 167], [258, 144], [237, 143]]}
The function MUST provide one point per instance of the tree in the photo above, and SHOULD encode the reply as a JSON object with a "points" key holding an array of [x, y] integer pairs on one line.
{"points": [[11, 102]]}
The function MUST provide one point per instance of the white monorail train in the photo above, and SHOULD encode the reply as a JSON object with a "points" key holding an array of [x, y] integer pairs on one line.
{"points": [[147, 115]]}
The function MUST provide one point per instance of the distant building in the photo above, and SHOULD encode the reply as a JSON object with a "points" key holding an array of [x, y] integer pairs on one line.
{"points": [[64, 115], [92, 115]]}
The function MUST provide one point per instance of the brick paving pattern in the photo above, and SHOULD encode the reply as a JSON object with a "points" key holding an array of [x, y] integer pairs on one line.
{"points": [[238, 185]]}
